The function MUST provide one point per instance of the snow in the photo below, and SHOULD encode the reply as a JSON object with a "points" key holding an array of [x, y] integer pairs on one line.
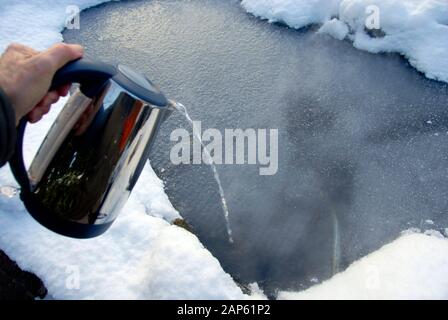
{"points": [[414, 28], [36, 23], [434, 233], [335, 28], [415, 266], [294, 13], [140, 257], [143, 256]]}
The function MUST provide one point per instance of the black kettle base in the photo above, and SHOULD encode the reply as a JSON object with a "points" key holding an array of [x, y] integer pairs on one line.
{"points": [[58, 225]]}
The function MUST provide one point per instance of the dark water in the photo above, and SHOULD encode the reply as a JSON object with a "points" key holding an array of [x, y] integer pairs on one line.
{"points": [[362, 137]]}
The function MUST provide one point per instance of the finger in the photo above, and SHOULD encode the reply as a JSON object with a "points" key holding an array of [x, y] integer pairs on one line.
{"points": [[44, 108], [59, 55], [34, 116], [39, 111], [50, 98], [64, 90]]}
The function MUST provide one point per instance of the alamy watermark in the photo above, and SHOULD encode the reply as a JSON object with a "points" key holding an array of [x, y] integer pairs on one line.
{"points": [[236, 146], [73, 20], [72, 281], [373, 17]]}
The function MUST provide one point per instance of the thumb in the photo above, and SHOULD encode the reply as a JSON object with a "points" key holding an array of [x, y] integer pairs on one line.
{"points": [[59, 55]]}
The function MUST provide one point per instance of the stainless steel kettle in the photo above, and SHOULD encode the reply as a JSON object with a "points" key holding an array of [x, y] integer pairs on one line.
{"points": [[94, 152]]}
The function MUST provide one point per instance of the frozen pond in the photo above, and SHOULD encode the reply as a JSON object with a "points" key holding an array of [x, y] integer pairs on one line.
{"points": [[363, 139]]}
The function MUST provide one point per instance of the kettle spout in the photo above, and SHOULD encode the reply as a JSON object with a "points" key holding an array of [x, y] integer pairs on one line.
{"points": [[172, 105], [169, 109]]}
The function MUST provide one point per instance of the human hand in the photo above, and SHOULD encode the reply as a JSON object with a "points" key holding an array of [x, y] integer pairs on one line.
{"points": [[26, 75]]}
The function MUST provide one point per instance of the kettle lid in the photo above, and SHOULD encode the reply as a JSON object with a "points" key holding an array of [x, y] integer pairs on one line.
{"points": [[139, 85], [92, 75]]}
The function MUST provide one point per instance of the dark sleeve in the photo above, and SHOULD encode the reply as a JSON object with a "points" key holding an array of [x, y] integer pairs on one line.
{"points": [[7, 128]]}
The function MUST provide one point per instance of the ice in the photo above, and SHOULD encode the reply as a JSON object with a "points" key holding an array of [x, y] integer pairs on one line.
{"points": [[412, 267], [417, 29], [415, 265], [142, 256]]}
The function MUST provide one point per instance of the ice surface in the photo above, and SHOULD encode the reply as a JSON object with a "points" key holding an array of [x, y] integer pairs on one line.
{"points": [[415, 265], [417, 29]]}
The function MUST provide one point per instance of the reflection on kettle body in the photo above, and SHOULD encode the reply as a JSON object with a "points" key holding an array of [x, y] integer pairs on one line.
{"points": [[92, 156], [96, 161]]}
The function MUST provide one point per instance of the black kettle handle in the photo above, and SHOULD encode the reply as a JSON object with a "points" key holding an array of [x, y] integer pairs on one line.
{"points": [[91, 75]]}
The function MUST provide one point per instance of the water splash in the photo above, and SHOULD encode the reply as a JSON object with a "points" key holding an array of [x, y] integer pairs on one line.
{"points": [[182, 109]]}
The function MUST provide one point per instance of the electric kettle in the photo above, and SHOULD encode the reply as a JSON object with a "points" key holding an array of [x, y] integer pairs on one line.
{"points": [[92, 156]]}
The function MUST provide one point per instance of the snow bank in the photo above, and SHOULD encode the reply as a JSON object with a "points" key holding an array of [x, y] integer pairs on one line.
{"points": [[36, 23], [415, 28], [141, 256], [415, 266], [335, 28]]}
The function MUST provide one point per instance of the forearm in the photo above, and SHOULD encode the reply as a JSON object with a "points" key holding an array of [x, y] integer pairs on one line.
{"points": [[7, 128]]}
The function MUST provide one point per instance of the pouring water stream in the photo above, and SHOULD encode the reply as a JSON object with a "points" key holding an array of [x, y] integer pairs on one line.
{"points": [[182, 109]]}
